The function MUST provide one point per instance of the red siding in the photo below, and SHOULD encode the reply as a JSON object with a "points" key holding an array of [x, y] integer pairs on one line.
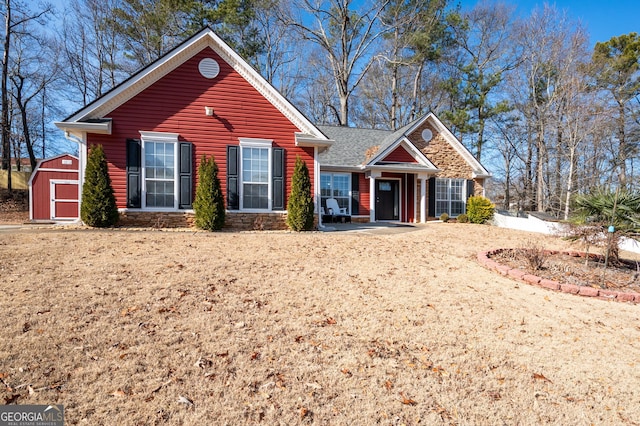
{"points": [[400, 155], [57, 163], [363, 184], [175, 104]]}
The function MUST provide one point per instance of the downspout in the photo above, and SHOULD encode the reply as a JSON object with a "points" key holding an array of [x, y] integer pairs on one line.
{"points": [[82, 163]]}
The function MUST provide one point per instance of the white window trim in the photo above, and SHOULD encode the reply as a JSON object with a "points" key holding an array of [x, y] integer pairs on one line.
{"points": [[332, 174], [256, 143], [449, 200], [161, 137]]}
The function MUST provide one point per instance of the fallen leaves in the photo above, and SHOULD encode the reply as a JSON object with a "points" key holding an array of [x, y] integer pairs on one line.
{"points": [[325, 322], [304, 412], [127, 311], [407, 401], [537, 376], [346, 372]]}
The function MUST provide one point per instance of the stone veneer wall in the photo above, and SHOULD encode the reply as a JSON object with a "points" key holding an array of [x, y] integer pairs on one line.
{"points": [[445, 158], [233, 220], [441, 154]]}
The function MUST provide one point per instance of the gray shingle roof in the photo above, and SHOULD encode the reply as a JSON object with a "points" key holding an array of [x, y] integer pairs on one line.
{"points": [[351, 144]]}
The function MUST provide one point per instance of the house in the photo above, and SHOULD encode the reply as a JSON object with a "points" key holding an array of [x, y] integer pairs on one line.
{"points": [[202, 98], [418, 172]]}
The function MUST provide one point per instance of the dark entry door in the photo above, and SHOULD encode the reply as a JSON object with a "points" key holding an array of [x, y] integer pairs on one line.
{"points": [[387, 199]]}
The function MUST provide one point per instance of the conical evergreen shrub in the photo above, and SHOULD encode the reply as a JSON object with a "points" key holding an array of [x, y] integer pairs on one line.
{"points": [[209, 202], [300, 204], [98, 207]]}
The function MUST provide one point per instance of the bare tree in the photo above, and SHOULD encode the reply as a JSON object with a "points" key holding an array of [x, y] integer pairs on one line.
{"points": [[416, 34], [30, 76], [280, 56], [487, 51], [92, 53], [16, 16], [345, 36]]}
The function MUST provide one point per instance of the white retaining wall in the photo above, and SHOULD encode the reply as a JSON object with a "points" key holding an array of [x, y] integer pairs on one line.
{"points": [[534, 224]]}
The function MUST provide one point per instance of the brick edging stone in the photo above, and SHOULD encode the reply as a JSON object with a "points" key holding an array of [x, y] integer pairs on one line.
{"points": [[484, 258]]}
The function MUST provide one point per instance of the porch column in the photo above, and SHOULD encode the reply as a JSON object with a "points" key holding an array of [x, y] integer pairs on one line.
{"points": [[316, 187], [423, 198], [372, 195]]}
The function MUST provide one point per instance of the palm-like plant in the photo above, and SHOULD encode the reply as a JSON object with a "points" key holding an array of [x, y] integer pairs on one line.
{"points": [[603, 208]]}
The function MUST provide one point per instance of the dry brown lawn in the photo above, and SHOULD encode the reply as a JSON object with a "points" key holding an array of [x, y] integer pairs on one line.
{"points": [[194, 328]]}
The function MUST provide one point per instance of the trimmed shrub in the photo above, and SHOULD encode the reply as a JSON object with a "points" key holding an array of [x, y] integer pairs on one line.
{"points": [[98, 207], [444, 217], [209, 202], [462, 218], [300, 204], [479, 209]]}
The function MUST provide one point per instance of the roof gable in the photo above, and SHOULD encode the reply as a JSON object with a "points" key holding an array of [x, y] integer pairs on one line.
{"points": [[399, 155], [412, 133], [154, 72]]}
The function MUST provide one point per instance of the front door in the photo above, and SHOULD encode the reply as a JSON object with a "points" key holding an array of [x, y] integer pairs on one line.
{"points": [[387, 199]]}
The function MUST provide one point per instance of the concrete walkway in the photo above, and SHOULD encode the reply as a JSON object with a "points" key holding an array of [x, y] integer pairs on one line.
{"points": [[379, 228]]}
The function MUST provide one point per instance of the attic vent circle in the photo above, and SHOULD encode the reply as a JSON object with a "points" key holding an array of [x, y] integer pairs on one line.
{"points": [[209, 68], [427, 135]]}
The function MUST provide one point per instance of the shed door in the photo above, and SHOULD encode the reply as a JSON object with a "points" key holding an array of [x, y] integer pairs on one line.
{"points": [[64, 199]]}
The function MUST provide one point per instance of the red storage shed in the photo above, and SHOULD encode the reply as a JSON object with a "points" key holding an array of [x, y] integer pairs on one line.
{"points": [[54, 190]]}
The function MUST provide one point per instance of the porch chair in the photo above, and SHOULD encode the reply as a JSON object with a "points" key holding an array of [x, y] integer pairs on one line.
{"points": [[338, 214]]}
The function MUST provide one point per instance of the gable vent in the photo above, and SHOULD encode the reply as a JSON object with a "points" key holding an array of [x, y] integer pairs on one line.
{"points": [[209, 68]]}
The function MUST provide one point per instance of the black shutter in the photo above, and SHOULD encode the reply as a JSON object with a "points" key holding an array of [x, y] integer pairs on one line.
{"points": [[470, 187], [233, 194], [186, 175], [277, 179], [134, 173], [432, 197], [355, 193]]}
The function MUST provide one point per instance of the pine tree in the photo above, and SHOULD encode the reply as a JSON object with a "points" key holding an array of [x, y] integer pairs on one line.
{"points": [[209, 202], [300, 204], [98, 207]]}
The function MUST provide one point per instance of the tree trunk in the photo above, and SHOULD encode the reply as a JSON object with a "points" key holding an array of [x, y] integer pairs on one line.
{"points": [[540, 199], [6, 130], [344, 109], [416, 87], [394, 97], [622, 146], [528, 181], [570, 178], [507, 182], [480, 141]]}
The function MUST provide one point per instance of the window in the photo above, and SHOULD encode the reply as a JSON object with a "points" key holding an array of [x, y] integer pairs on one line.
{"points": [[450, 197], [159, 172], [255, 178], [159, 169], [338, 186]]}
